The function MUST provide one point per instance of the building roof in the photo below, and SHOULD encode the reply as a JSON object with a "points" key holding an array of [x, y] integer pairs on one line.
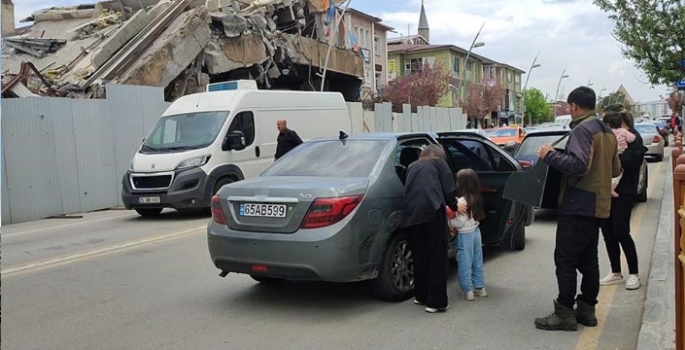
{"points": [[376, 20], [423, 20], [403, 39]]}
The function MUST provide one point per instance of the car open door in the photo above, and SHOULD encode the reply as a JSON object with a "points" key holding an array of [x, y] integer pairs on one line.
{"points": [[493, 167]]}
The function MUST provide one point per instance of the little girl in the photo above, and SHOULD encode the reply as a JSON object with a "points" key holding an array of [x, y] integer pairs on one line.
{"points": [[469, 242], [623, 136]]}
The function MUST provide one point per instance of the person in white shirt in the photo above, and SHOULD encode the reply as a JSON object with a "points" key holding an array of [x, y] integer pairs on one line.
{"points": [[469, 241]]}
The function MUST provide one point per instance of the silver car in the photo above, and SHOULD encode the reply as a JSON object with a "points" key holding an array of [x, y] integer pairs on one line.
{"points": [[330, 210], [652, 139]]}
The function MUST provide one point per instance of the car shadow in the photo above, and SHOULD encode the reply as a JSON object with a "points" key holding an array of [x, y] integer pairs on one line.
{"points": [[173, 215]]}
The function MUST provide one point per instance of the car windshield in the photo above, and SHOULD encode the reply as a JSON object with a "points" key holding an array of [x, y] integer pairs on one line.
{"points": [[184, 132], [351, 158], [531, 145], [645, 129], [502, 133]]}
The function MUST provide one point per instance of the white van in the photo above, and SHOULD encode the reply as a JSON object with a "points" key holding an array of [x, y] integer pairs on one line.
{"points": [[206, 140]]}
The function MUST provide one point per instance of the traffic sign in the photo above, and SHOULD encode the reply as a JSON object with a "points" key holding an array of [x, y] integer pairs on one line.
{"points": [[680, 84]]}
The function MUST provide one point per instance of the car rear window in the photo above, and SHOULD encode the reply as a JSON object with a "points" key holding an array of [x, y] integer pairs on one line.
{"points": [[532, 144], [350, 158]]}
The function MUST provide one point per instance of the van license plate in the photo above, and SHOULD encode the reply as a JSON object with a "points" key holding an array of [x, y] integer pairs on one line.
{"points": [[263, 210], [148, 200]]}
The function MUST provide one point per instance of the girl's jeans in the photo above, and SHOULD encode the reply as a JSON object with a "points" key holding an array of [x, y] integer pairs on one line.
{"points": [[470, 260]]}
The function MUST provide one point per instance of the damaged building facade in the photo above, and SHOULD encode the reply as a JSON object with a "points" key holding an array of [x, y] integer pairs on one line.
{"points": [[180, 45]]}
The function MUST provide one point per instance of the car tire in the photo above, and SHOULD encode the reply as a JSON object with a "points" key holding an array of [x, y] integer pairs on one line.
{"points": [[221, 183], [642, 196], [395, 282], [520, 238], [149, 212], [267, 280]]}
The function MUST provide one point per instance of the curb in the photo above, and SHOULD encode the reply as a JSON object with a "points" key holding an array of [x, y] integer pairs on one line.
{"points": [[658, 317]]}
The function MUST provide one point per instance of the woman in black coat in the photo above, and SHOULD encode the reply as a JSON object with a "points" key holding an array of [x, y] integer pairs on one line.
{"points": [[428, 190], [616, 230]]}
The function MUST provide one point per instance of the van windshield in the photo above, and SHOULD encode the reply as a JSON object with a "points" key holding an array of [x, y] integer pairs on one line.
{"points": [[184, 132]]}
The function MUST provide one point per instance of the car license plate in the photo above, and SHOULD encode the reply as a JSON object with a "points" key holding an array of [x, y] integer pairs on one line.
{"points": [[148, 200], [263, 210]]}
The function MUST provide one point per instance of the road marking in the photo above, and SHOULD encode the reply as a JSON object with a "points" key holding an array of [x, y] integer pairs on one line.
{"points": [[589, 337], [7, 235], [61, 260]]}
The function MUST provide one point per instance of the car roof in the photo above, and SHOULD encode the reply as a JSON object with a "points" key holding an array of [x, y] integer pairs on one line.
{"points": [[378, 136]]}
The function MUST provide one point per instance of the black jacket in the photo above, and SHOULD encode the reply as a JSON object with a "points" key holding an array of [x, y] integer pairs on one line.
{"points": [[430, 187], [631, 161], [287, 140]]}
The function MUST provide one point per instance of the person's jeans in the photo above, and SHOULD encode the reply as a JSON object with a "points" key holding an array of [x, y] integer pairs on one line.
{"points": [[470, 261]]}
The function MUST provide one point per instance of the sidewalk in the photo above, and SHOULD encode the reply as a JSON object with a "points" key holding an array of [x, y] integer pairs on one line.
{"points": [[658, 319]]}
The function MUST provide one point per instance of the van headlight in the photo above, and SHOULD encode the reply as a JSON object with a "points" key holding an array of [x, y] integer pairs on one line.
{"points": [[130, 166], [511, 143], [193, 162]]}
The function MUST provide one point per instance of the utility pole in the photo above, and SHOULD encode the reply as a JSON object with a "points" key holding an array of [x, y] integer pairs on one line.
{"points": [[330, 43], [556, 95], [474, 45]]}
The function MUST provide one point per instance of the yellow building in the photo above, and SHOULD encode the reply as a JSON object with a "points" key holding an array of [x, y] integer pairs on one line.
{"points": [[405, 58]]}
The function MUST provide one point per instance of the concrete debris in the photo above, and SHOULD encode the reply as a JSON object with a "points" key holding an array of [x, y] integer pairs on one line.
{"points": [[182, 45], [35, 47]]}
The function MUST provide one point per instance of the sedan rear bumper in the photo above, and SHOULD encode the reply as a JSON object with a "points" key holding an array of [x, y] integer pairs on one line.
{"points": [[298, 256], [655, 150]]}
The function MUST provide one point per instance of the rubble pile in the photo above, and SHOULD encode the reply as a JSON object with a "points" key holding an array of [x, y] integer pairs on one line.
{"points": [[183, 45]]}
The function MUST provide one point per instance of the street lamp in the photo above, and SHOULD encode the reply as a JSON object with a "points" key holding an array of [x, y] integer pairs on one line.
{"points": [[523, 95], [474, 45], [556, 95]]}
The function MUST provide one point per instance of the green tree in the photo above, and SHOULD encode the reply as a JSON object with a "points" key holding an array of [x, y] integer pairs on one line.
{"points": [[653, 35], [537, 106], [613, 98]]}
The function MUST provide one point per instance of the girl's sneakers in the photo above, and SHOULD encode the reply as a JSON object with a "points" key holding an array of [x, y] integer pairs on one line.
{"points": [[481, 293], [470, 296], [633, 282]]}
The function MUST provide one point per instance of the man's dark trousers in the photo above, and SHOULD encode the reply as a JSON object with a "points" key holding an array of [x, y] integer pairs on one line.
{"points": [[576, 249]]}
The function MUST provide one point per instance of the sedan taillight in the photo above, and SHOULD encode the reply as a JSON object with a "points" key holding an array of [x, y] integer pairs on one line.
{"points": [[657, 139], [328, 211], [218, 213]]}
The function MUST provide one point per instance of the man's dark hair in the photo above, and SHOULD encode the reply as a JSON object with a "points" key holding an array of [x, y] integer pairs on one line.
{"points": [[583, 97]]}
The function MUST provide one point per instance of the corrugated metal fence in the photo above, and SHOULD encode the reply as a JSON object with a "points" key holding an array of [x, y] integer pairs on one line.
{"points": [[67, 156], [64, 156]]}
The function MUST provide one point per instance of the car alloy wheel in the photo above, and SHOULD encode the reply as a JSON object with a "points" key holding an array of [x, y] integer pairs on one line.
{"points": [[402, 268]]}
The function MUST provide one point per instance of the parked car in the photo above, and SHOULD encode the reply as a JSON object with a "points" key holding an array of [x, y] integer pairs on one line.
{"points": [[652, 140], [663, 131], [527, 154], [330, 210]]}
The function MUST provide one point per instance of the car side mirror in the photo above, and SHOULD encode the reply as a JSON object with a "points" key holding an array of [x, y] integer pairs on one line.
{"points": [[234, 141]]}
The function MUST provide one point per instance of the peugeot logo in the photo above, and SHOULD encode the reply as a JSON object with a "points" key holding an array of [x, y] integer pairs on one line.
{"points": [[152, 166]]}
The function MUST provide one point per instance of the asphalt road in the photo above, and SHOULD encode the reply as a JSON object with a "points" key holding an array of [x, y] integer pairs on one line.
{"points": [[115, 281]]}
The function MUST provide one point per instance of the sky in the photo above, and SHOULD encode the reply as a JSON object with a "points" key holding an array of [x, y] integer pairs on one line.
{"points": [[573, 33]]}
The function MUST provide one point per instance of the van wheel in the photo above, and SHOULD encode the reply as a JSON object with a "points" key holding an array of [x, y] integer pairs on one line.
{"points": [[149, 212], [267, 280], [221, 183], [395, 280], [520, 238]]}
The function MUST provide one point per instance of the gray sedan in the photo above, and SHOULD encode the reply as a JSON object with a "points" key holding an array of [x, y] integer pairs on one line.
{"points": [[330, 210], [652, 140]]}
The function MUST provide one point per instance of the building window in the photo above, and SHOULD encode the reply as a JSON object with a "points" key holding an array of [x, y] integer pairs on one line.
{"points": [[469, 65], [455, 64], [517, 79], [377, 47], [363, 37], [509, 77], [415, 64]]}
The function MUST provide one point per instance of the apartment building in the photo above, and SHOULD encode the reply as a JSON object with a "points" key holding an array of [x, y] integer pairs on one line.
{"points": [[509, 79], [371, 36], [656, 108]]}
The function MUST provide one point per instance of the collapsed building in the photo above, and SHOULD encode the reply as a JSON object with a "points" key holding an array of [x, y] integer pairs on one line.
{"points": [[180, 45]]}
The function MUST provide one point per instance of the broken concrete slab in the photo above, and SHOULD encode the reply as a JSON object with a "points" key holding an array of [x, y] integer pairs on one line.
{"points": [[158, 9], [308, 51], [58, 15], [227, 54], [116, 41], [176, 48]]}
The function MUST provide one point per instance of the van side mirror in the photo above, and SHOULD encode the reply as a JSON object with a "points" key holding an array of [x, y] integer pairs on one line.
{"points": [[234, 141]]}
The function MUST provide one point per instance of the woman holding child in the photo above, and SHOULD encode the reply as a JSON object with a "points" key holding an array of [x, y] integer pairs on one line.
{"points": [[616, 229]]}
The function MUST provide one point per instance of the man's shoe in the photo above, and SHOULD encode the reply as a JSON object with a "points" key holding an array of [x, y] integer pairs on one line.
{"points": [[563, 319], [585, 314]]}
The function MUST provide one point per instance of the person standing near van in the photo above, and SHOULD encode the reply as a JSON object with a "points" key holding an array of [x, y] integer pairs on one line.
{"points": [[587, 166], [287, 139], [429, 189]]}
